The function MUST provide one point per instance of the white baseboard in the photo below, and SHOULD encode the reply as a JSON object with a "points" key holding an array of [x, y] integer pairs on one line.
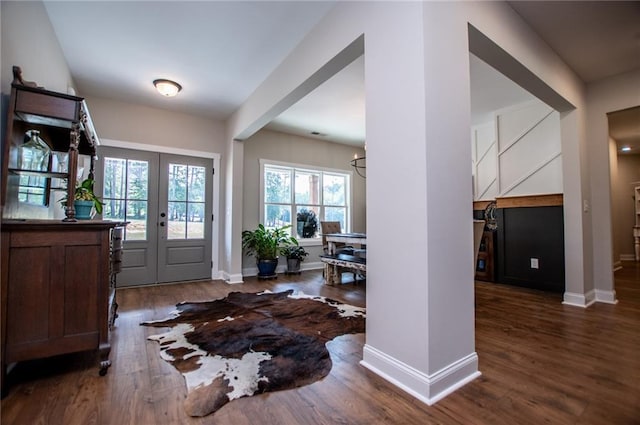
{"points": [[579, 300], [253, 271], [231, 278], [627, 257], [426, 388], [608, 297]]}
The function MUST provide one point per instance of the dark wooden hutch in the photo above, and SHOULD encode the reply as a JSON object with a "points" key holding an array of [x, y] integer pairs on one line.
{"points": [[58, 277]]}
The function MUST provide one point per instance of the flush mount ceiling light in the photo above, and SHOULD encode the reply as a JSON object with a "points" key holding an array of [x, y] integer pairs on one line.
{"points": [[167, 88], [625, 149]]}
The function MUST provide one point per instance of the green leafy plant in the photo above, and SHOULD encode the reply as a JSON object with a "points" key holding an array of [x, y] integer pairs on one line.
{"points": [[84, 192], [266, 244], [294, 252]]}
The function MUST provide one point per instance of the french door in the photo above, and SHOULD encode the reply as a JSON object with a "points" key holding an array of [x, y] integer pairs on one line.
{"points": [[167, 201]]}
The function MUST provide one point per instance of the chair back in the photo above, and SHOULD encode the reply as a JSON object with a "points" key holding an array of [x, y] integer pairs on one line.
{"points": [[329, 227]]}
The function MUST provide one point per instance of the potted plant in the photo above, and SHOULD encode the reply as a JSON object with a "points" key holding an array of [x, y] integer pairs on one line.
{"points": [[84, 200], [295, 254], [307, 223], [265, 244]]}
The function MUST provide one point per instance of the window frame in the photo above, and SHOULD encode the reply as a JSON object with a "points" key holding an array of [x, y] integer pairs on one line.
{"points": [[317, 241]]}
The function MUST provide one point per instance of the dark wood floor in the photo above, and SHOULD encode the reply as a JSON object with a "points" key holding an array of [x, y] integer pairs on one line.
{"points": [[541, 362]]}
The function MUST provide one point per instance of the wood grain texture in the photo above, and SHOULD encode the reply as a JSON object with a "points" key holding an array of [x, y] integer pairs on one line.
{"points": [[552, 200], [541, 362]]}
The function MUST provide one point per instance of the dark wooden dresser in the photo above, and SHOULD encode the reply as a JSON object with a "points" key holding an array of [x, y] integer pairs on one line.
{"points": [[58, 288]]}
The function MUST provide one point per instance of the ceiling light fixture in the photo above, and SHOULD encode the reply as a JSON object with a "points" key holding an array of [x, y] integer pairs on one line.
{"points": [[167, 88], [625, 149]]}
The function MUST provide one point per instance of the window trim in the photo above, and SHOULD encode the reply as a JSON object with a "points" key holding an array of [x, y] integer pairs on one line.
{"points": [[312, 168]]}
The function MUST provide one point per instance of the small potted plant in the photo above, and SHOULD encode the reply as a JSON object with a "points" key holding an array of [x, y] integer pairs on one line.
{"points": [[295, 254], [265, 244], [84, 201]]}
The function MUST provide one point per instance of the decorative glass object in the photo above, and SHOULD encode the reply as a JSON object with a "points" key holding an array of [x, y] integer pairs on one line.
{"points": [[33, 154]]}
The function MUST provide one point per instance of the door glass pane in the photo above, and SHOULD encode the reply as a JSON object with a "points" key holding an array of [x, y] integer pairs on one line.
{"points": [[177, 220], [277, 187], [114, 178], [196, 187], [195, 223], [137, 180], [187, 190], [177, 182], [137, 217], [334, 190], [125, 195]]}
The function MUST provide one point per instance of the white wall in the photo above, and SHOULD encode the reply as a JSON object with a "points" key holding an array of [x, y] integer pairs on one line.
{"points": [[616, 209], [28, 41], [624, 178], [142, 124], [40, 57], [608, 95], [530, 154], [484, 155], [277, 146]]}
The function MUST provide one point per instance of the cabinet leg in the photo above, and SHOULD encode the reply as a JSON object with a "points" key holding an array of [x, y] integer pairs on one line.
{"points": [[104, 367], [105, 363]]}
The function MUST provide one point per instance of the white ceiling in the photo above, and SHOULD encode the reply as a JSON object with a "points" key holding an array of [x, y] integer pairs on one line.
{"points": [[220, 51], [597, 39]]}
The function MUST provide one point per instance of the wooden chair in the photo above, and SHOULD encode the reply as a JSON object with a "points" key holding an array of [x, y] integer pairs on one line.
{"points": [[328, 227]]}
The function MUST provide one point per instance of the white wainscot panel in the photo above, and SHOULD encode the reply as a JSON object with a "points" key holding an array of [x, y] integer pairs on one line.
{"points": [[514, 121], [538, 146], [546, 180]]}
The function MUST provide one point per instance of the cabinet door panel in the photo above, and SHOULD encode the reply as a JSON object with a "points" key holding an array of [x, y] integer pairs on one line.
{"points": [[81, 283], [28, 309]]}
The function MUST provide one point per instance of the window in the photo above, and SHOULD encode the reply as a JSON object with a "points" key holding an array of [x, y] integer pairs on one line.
{"points": [[303, 196]]}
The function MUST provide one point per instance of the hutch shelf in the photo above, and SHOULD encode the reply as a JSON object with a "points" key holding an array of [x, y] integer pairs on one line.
{"points": [[57, 276]]}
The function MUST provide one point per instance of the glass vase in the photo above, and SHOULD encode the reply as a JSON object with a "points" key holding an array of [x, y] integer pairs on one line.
{"points": [[34, 153]]}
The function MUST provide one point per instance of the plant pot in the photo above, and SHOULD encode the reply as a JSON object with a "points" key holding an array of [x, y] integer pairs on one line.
{"points": [[293, 265], [267, 268], [84, 209]]}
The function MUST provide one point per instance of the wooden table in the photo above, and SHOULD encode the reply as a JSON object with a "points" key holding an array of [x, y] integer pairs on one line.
{"points": [[347, 238], [334, 263]]}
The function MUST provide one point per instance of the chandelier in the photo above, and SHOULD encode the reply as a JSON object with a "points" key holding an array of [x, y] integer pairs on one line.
{"points": [[359, 165]]}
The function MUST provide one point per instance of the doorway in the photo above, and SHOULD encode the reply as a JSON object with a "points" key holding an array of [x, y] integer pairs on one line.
{"points": [[167, 201]]}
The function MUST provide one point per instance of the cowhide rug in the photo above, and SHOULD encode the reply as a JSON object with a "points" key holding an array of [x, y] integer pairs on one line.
{"points": [[248, 344]]}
